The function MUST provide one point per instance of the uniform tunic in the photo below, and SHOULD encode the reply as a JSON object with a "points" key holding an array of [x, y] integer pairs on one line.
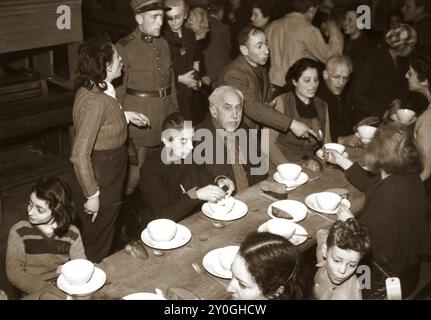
{"points": [[147, 67]]}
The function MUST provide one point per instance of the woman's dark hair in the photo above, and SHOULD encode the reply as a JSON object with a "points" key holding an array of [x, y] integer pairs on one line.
{"points": [[393, 150], [94, 57], [349, 235], [421, 63], [297, 69], [274, 264], [59, 198], [265, 6]]}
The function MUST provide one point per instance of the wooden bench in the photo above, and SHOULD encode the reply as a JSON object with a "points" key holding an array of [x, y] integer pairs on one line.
{"points": [[26, 110]]}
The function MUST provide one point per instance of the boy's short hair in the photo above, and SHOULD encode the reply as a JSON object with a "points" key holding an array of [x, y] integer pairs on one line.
{"points": [[245, 34], [349, 235]]}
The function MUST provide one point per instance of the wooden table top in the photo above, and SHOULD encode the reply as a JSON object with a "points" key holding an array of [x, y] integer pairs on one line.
{"points": [[174, 269]]}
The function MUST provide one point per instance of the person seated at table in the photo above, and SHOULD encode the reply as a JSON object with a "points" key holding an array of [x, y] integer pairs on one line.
{"points": [[342, 115], [38, 246], [302, 104], [266, 267], [419, 77], [171, 185], [226, 109], [339, 251], [395, 208]]}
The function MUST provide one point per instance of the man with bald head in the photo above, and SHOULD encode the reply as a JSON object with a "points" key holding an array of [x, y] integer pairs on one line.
{"points": [[225, 126], [336, 75]]}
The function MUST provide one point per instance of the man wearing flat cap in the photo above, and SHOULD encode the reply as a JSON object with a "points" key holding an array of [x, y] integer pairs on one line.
{"points": [[149, 82]]}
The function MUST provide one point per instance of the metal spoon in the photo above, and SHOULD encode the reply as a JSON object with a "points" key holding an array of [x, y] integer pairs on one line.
{"points": [[158, 253], [218, 225]]}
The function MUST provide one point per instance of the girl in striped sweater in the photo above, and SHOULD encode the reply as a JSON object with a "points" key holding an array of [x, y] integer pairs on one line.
{"points": [[39, 246]]}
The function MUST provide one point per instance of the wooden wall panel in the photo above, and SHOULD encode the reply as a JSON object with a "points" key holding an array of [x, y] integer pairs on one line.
{"points": [[27, 24]]}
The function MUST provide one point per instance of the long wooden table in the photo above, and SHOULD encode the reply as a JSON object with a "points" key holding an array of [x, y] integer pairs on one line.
{"points": [[174, 269]]}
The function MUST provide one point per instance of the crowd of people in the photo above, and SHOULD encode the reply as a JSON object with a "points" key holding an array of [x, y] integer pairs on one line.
{"points": [[233, 67]]}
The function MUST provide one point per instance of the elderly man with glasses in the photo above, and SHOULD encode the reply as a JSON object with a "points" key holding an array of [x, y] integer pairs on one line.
{"points": [[336, 75]]}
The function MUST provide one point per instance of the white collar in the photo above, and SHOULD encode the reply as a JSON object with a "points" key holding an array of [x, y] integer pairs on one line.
{"points": [[110, 90]]}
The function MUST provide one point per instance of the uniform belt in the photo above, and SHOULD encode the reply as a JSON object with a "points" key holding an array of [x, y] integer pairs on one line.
{"points": [[162, 93]]}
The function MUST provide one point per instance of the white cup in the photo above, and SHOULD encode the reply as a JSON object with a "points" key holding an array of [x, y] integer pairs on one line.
{"points": [[405, 115], [328, 200], [282, 227], [78, 271], [227, 255], [366, 132], [335, 146], [289, 171], [224, 206], [162, 230]]}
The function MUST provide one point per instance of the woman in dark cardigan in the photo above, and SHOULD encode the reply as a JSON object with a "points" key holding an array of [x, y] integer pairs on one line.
{"points": [[302, 104], [99, 154], [395, 206]]}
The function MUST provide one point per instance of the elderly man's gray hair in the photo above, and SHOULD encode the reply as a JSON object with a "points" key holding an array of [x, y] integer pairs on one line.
{"points": [[339, 59], [217, 95]]}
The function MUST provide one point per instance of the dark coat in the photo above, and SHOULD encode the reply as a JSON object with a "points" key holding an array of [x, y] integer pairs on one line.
{"points": [[378, 83], [254, 84], [342, 116], [217, 51], [423, 28], [184, 52], [159, 194], [226, 169], [395, 215]]}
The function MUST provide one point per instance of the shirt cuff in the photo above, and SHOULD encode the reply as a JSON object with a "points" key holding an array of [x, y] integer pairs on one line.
{"points": [[94, 195], [192, 193], [127, 117], [219, 178]]}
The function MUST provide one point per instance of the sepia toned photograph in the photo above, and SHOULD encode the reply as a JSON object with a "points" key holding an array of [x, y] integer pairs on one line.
{"points": [[215, 150]]}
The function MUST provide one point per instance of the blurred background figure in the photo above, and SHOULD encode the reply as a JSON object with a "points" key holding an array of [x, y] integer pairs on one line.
{"points": [[417, 13], [237, 17], [261, 13], [217, 48]]}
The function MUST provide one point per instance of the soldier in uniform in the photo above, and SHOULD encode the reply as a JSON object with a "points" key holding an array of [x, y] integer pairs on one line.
{"points": [[149, 83]]}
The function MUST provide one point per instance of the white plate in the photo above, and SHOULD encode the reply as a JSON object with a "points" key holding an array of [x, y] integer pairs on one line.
{"points": [[297, 209], [292, 184], [97, 280], [181, 238], [143, 296], [319, 154], [296, 240], [211, 263], [239, 210], [311, 202]]}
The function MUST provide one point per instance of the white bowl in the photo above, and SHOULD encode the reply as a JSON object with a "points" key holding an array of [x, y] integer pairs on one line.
{"points": [[162, 230], [78, 271], [405, 115], [227, 255], [328, 200], [335, 146], [224, 206], [366, 132], [282, 227], [289, 171]]}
